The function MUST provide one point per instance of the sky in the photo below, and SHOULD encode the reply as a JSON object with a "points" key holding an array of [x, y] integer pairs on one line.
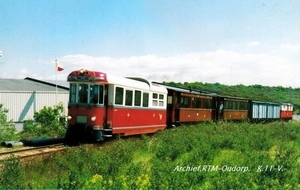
{"points": [[211, 41]]}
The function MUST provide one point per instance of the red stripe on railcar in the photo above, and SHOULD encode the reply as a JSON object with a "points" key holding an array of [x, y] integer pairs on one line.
{"points": [[129, 121]]}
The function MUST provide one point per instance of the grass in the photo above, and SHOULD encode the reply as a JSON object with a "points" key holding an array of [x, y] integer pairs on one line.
{"points": [[210, 155]]}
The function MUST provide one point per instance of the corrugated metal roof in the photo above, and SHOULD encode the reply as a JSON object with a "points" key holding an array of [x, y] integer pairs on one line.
{"points": [[29, 84], [60, 84]]}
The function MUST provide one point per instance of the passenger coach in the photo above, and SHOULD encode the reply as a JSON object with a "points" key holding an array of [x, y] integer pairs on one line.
{"points": [[188, 106], [102, 105], [230, 108]]}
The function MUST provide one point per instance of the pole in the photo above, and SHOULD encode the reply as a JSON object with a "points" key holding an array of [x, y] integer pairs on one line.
{"points": [[56, 81]]}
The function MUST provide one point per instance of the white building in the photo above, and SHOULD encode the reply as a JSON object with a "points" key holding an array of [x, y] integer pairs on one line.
{"points": [[24, 97]]}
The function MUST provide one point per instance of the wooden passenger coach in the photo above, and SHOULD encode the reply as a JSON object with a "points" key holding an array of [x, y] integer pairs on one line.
{"points": [[231, 108], [188, 106]]}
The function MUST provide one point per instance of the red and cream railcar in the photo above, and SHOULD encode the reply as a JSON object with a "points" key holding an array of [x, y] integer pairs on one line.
{"points": [[286, 111], [102, 105]]}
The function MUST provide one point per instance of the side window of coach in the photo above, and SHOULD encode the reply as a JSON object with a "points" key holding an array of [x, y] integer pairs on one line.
{"points": [[184, 102], [207, 103], [137, 98], [119, 96], [154, 99], [161, 100], [129, 95], [145, 99], [196, 103]]}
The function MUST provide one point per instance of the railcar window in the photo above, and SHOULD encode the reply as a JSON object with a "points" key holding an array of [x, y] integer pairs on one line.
{"points": [[243, 105], [96, 94], [170, 98], [161, 96], [128, 100], [161, 100], [137, 98], [154, 99], [235, 105], [207, 103], [83, 93], [73, 93], [119, 96], [184, 103], [145, 99], [228, 105], [196, 103], [101, 94], [154, 102]]}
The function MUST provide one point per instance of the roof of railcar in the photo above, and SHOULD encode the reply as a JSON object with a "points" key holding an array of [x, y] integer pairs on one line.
{"points": [[232, 97], [186, 90], [136, 82], [101, 77], [262, 102]]}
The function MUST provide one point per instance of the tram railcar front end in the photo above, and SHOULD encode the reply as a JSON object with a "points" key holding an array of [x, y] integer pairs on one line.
{"points": [[86, 108]]}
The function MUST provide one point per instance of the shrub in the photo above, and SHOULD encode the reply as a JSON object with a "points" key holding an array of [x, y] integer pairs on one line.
{"points": [[47, 123], [7, 128], [12, 174]]}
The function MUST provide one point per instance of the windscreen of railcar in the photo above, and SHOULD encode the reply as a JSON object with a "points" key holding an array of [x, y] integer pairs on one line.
{"points": [[86, 93]]}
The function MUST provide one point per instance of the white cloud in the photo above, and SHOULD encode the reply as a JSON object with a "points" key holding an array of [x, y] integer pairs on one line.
{"points": [[222, 66], [254, 43], [291, 47]]}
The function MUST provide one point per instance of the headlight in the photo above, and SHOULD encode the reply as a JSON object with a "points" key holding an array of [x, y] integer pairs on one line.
{"points": [[69, 117], [93, 118]]}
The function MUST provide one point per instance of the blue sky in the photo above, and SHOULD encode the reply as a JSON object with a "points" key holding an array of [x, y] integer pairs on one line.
{"points": [[226, 41]]}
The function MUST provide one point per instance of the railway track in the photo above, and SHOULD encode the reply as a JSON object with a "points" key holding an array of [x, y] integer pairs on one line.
{"points": [[33, 151]]}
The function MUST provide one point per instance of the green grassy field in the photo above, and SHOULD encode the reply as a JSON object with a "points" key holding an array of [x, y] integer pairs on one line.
{"points": [[203, 156]]}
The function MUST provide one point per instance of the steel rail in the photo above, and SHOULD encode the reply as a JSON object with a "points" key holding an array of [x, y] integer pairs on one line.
{"points": [[18, 153]]}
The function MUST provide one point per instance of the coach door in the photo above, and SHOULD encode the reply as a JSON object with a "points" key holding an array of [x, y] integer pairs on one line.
{"points": [[177, 106], [105, 115], [218, 108], [173, 108]]}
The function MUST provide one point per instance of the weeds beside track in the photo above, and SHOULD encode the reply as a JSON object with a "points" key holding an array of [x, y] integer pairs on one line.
{"points": [[178, 158]]}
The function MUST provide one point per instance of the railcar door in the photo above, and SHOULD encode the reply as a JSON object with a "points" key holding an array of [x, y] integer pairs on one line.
{"points": [[105, 105], [177, 108], [170, 112], [219, 112], [173, 108]]}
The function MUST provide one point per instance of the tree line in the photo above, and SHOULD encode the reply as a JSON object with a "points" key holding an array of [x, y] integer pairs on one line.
{"points": [[257, 92]]}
